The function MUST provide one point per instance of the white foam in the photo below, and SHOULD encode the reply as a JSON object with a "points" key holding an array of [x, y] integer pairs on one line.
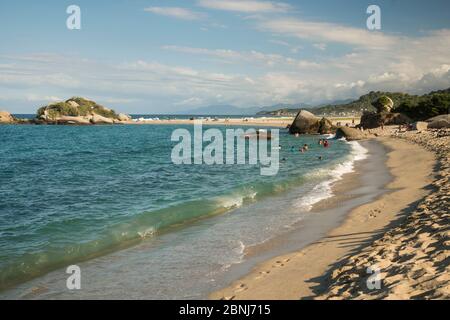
{"points": [[324, 189]]}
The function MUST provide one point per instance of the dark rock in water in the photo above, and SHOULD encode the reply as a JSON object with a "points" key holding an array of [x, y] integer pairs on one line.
{"points": [[371, 120], [326, 126], [305, 123], [350, 134]]}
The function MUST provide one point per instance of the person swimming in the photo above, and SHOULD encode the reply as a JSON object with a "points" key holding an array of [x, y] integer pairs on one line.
{"points": [[305, 147], [326, 144]]}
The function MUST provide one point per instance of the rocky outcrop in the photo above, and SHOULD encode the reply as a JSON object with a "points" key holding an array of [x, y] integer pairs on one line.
{"points": [[97, 119], [383, 104], [350, 134], [370, 120], [326, 126], [123, 117], [307, 123], [78, 111], [6, 117], [445, 117], [74, 120], [383, 116], [439, 124]]}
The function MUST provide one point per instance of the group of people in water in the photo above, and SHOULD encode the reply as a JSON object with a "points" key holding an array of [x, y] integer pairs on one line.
{"points": [[305, 148]]}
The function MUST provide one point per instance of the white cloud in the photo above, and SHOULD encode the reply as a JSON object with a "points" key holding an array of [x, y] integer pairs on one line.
{"points": [[38, 98], [253, 57], [175, 12], [326, 32], [246, 6], [320, 46]]}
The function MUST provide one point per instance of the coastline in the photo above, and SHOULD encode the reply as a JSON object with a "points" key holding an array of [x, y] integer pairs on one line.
{"points": [[291, 277]]}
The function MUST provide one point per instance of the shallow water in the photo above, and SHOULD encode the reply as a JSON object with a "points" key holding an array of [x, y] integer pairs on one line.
{"points": [[70, 194]]}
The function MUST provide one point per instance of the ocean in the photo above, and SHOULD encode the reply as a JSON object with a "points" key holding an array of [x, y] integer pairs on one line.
{"points": [[109, 198]]}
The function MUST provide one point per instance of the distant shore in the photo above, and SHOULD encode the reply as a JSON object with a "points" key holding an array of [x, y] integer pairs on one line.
{"points": [[336, 266], [245, 121]]}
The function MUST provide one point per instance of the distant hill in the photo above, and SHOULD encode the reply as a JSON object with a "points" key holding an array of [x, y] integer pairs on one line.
{"points": [[233, 110], [434, 102], [350, 108], [357, 107]]}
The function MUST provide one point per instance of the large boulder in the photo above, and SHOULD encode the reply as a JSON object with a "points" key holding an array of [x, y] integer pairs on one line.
{"points": [[305, 123], [6, 117], [439, 124], [420, 126], [325, 126], [98, 119], [372, 120], [383, 104], [73, 120], [350, 134], [123, 117], [445, 117]]}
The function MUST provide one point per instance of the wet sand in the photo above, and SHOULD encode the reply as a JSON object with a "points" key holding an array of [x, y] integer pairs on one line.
{"points": [[304, 273]]}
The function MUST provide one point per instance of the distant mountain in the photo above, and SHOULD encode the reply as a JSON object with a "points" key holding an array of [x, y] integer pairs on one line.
{"points": [[415, 106], [403, 101], [346, 107], [230, 110]]}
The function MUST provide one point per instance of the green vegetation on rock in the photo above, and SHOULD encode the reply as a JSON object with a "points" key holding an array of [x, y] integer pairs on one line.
{"points": [[75, 107], [416, 107], [426, 106]]}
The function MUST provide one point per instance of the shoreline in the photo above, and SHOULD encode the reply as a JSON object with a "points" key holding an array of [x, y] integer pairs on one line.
{"points": [[277, 122], [410, 167]]}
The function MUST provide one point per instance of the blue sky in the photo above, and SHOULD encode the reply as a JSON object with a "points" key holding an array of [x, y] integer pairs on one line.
{"points": [[167, 56]]}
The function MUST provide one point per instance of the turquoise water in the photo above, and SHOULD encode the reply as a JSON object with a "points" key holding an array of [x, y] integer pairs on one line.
{"points": [[70, 194]]}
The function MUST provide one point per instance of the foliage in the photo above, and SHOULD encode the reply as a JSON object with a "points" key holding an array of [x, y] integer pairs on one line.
{"points": [[67, 108]]}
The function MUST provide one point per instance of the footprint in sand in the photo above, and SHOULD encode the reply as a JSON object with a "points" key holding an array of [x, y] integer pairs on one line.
{"points": [[262, 274], [241, 287], [280, 263]]}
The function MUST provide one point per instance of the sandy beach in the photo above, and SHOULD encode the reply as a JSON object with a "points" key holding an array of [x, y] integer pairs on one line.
{"points": [[403, 234], [281, 122]]}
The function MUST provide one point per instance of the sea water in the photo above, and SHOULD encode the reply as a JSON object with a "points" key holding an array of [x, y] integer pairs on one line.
{"points": [[109, 199]]}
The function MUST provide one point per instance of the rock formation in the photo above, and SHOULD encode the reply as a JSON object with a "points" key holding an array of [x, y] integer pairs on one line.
{"points": [[350, 134], [383, 104], [79, 111], [383, 116], [420, 126], [6, 117], [326, 126], [307, 123]]}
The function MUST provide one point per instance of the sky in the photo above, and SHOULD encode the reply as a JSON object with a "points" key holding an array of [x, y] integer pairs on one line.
{"points": [[144, 56]]}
